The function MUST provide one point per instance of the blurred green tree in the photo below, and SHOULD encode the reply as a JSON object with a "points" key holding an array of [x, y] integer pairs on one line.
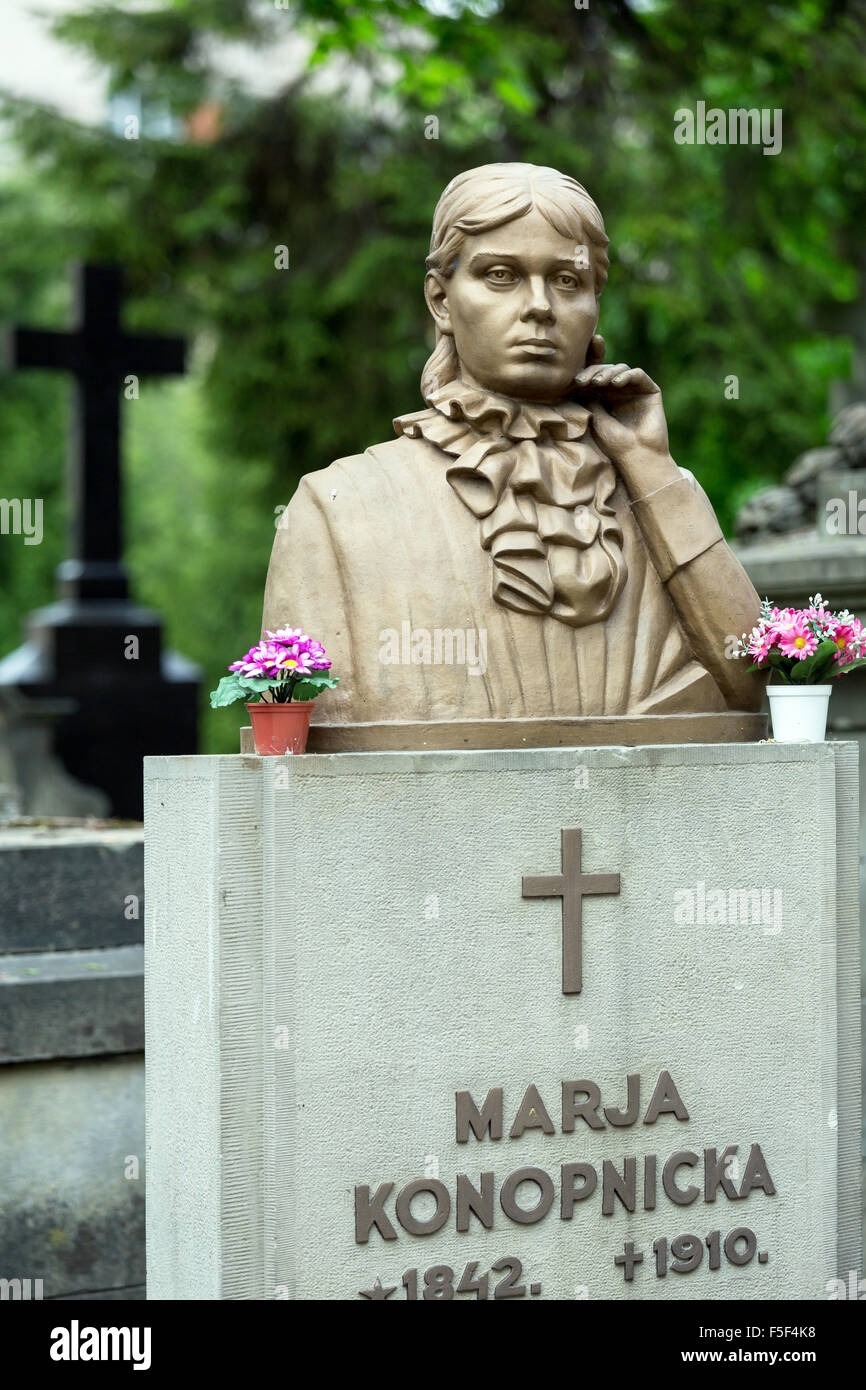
{"points": [[288, 231]]}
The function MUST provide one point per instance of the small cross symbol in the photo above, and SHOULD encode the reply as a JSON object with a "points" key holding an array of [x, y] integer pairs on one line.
{"points": [[628, 1259], [571, 885]]}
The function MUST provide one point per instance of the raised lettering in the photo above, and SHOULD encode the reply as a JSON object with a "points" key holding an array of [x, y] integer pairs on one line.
{"points": [[757, 1174], [683, 1196], [369, 1214], [586, 1110], [488, 1119], [715, 1175], [613, 1185], [572, 1194], [471, 1202], [403, 1207], [508, 1199], [531, 1115], [666, 1101], [629, 1115]]}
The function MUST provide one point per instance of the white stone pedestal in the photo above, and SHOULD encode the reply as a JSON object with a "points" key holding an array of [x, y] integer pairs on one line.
{"points": [[343, 974]]}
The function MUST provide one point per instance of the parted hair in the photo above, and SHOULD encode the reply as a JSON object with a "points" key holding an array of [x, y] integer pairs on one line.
{"points": [[482, 199]]}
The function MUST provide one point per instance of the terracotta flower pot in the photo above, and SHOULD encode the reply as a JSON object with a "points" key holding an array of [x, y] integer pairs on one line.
{"points": [[280, 728]]}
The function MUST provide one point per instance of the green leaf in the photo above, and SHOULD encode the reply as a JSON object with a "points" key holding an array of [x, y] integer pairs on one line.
{"points": [[783, 673], [801, 672], [235, 687], [257, 683], [823, 659], [312, 686], [812, 668], [228, 690], [850, 666]]}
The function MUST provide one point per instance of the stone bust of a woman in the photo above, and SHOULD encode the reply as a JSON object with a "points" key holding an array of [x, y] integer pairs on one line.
{"points": [[533, 503]]}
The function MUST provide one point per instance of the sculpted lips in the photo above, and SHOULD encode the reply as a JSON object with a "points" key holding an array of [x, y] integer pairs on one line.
{"points": [[539, 347]]}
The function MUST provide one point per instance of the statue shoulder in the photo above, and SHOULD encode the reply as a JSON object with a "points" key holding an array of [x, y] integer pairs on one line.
{"points": [[356, 472]]}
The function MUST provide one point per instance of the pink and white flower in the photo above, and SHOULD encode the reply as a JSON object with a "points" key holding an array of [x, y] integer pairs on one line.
{"points": [[796, 638], [849, 639], [784, 637]]}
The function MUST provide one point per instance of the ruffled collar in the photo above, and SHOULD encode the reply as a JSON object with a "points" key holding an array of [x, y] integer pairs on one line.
{"points": [[487, 412], [542, 492]]}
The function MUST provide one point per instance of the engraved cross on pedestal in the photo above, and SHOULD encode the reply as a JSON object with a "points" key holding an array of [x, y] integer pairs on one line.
{"points": [[571, 885]]}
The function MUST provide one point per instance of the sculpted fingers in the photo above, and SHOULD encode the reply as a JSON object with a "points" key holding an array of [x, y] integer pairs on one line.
{"points": [[602, 375], [618, 376], [636, 379]]}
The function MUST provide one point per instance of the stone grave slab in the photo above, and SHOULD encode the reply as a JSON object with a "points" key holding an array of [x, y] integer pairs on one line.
{"points": [[540, 1024]]}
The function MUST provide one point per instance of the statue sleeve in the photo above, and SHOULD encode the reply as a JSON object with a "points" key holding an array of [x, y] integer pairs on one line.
{"points": [[304, 585], [714, 597]]}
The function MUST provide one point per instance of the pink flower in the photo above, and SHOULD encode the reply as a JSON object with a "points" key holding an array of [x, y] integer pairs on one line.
{"points": [[283, 657], [849, 639], [796, 639], [318, 660], [309, 653], [276, 669], [294, 660], [262, 662], [760, 642]]}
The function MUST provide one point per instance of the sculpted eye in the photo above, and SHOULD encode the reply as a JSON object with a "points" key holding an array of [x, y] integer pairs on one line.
{"points": [[567, 282], [500, 275]]}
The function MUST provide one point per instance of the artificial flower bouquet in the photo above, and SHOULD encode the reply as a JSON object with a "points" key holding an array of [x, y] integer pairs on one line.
{"points": [[805, 644], [287, 666], [803, 648], [279, 678]]}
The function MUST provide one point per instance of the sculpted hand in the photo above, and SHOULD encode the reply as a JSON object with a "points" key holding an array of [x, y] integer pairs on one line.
{"points": [[628, 417]]}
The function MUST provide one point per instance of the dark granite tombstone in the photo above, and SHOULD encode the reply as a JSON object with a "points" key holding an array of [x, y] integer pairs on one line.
{"points": [[131, 697]]}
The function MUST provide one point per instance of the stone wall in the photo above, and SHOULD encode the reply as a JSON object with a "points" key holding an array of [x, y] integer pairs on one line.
{"points": [[71, 1061]]}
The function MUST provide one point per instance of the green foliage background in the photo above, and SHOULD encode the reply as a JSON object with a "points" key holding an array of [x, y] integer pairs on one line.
{"points": [[724, 261]]}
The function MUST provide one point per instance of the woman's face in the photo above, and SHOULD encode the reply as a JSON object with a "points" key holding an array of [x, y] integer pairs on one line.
{"points": [[522, 308]]}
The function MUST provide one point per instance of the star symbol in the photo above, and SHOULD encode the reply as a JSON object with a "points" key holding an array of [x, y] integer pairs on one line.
{"points": [[377, 1293]]}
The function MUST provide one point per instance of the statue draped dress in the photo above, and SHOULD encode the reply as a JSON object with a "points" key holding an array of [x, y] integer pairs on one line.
{"points": [[490, 516]]}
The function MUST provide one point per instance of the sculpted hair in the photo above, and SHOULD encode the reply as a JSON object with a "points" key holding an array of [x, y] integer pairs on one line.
{"points": [[482, 199]]}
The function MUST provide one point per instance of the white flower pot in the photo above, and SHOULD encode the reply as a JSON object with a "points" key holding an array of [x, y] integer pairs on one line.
{"points": [[799, 712]]}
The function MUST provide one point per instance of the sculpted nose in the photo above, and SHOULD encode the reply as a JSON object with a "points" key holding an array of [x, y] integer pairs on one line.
{"points": [[537, 304]]}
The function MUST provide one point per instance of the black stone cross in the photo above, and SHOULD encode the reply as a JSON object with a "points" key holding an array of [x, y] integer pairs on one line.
{"points": [[126, 700], [571, 885], [101, 356]]}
